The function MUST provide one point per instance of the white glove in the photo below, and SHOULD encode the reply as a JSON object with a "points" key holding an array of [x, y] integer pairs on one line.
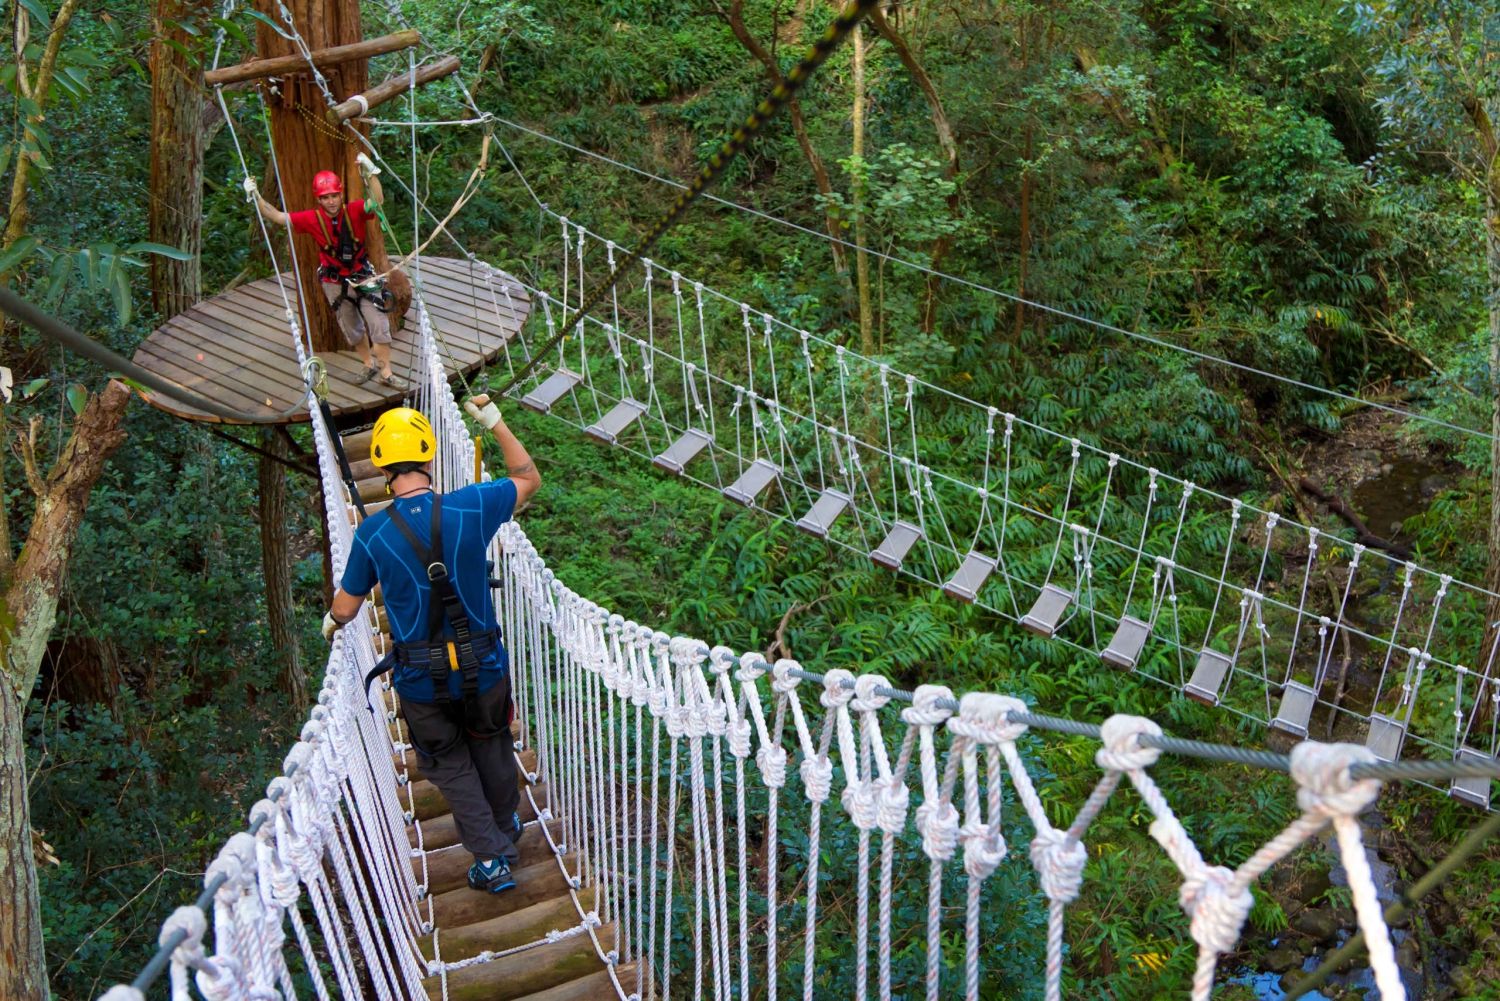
{"points": [[482, 410], [252, 190], [366, 166], [330, 626]]}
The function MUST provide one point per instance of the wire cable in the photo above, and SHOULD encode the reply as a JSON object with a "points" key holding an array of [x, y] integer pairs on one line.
{"points": [[1053, 310], [717, 164], [54, 329]]}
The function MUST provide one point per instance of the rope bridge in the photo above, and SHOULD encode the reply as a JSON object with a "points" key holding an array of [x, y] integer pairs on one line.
{"points": [[655, 768], [1083, 547]]}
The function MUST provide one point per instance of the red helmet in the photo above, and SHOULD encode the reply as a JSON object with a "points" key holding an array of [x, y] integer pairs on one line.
{"points": [[326, 182]]}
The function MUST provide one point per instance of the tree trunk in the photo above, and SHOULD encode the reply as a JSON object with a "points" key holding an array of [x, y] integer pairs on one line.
{"points": [[305, 144], [861, 258], [276, 571], [23, 966], [1492, 571], [1025, 250], [15, 226], [943, 244], [736, 19], [177, 147], [62, 499]]}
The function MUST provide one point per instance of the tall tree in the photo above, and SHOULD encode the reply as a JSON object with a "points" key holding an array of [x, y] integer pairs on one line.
{"points": [[735, 16], [180, 135], [275, 567], [33, 92], [1439, 67], [31, 604], [857, 195]]}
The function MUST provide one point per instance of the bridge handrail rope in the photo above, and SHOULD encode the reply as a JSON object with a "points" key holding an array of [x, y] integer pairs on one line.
{"points": [[1056, 311], [1169, 570]]}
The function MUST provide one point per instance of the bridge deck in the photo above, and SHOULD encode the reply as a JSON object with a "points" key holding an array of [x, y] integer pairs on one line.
{"points": [[236, 348], [470, 922]]}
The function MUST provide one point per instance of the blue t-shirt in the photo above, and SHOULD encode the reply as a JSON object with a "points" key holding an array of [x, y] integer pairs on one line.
{"points": [[471, 517]]}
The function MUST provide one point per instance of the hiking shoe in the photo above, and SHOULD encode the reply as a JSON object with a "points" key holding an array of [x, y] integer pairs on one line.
{"points": [[392, 381], [366, 374], [518, 827], [491, 877]]}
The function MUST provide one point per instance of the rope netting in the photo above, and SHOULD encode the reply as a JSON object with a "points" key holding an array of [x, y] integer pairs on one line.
{"points": [[1229, 604], [661, 765]]}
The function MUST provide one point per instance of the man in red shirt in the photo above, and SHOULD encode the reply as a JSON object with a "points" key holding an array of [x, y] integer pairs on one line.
{"points": [[359, 300]]}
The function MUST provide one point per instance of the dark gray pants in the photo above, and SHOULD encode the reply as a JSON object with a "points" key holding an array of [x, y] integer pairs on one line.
{"points": [[476, 775]]}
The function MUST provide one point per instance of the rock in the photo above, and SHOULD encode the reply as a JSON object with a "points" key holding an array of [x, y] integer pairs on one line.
{"points": [[1282, 958], [1435, 484], [1312, 885], [1290, 979], [1346, 918], [1318, 923], [1406, 954]]}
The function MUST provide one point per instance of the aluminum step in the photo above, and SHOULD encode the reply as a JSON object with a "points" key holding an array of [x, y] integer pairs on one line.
{"points": [[1474, 791], [896, 544], [1208, 677], [682, 451], [1386, 736], [615, 423], [972, 573], [825, 511], [1124, 649], [557, 385], [1297, 703], [1046, 614], [753, 482]]}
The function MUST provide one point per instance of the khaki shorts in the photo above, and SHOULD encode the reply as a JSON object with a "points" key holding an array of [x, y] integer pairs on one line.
{"points": [[358, 321]]}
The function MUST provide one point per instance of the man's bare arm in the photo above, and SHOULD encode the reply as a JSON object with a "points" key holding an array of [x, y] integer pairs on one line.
{"points": [[518, 465]]}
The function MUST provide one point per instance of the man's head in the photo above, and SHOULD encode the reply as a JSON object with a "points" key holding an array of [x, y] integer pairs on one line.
{"points": [[402, 443], [330, 191]]}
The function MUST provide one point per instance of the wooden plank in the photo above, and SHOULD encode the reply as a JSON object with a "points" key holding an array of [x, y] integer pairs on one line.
{"points": [[518, 976], [468, 300], [392, 88], [254, 69], [191, 335], [217, 371], [164, 367], [234, 338]]}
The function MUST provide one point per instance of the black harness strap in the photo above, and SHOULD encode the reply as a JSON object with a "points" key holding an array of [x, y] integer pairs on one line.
{"points": [[446, 617]]}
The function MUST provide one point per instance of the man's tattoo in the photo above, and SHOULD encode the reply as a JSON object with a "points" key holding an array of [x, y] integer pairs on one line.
{"points": [[525, 467]]}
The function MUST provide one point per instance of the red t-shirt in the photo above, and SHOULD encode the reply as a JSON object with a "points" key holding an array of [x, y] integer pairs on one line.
{"points": [[316, 224]]}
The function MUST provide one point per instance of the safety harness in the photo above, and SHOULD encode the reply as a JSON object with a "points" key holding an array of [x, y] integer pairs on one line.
{"points": [[451, 645], [353, 270]]}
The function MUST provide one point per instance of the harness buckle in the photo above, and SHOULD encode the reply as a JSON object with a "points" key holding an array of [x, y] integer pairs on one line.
{"points": [[440, 573]]}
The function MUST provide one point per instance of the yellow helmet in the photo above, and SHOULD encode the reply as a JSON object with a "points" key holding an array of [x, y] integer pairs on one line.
{"points": [[402, 435]]}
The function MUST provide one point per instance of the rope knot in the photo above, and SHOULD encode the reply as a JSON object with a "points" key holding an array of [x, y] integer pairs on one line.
{"points": [[783, 682], [720, 659], [924, 710], [192, 923], [1059, 861], [984, 848], [739, 738], [834, 693], [1216, 911], [865, 697], [982, 718], [817, 778], [1327, 788], [892, 801], [859, 799], [938, 824], [752, 667], [771, 760], [1122, 750]]}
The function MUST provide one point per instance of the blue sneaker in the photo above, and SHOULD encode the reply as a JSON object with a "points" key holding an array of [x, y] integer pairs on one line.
{"points": [[491, 877], [518, 827]]}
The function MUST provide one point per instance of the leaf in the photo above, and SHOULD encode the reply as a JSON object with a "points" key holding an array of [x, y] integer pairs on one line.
{"points": [[5, 158], [35, 386], [116, 31], [233, 30], [62, 267], [82, 57], [38, 11], [139, 69], [187, 26], [158, 248], [78, 75], [88, 263], [187, 53], [121, 288], [78, 398], [269, 23], [18, 252]]}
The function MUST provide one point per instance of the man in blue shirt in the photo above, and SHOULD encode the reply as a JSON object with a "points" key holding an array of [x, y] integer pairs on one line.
{"points": [[428, 554]]}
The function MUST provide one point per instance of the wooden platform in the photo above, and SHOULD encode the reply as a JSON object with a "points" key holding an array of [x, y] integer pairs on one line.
{"points": [[236, 349]]}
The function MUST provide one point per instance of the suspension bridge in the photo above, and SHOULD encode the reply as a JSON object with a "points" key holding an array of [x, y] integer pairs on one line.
{"points": [[655, 766]]}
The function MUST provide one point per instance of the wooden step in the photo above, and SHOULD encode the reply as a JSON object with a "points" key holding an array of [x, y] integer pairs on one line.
{"points": [[439, 832], [449, 870], [509, 930], [524, 974], [362, 467], [594, 987], [357, 445], [528, 762], [534, 884], [372, 489]]}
